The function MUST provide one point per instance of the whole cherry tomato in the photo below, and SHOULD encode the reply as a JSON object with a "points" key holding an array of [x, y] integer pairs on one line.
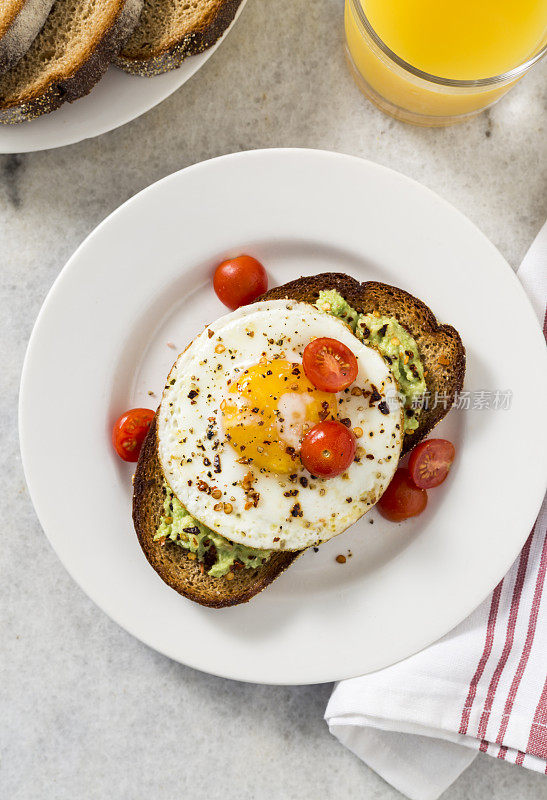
{"points": [[129, 432], [402, 499], [328, 449], [240, 281], [329, 364]]}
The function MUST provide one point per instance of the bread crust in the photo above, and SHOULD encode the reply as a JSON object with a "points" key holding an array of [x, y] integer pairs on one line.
{"points": [[177, 50], [72, 86], [171, 561], [19, 26]]}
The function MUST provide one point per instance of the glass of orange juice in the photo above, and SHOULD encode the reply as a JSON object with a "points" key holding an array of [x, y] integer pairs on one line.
{"points": [[436, 62]]}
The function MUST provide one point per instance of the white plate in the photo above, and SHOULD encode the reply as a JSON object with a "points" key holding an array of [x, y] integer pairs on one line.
{"points": [[117, 98], [142, 279]]}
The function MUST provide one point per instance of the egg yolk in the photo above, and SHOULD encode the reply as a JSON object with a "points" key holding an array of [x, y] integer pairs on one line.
{"points": [[269, 409]]}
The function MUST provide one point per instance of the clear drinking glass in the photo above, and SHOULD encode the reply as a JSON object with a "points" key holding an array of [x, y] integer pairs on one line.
{"points": [[409, 94]]}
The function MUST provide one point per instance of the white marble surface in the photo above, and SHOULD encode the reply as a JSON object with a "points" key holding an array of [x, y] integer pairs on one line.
{"points": [[86, 711]]}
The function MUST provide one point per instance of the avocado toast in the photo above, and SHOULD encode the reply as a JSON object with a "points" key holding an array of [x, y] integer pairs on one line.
{"points": [[441, 359]]}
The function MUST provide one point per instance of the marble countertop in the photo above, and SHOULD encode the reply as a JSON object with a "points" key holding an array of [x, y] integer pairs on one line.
{"points": [[87, 711]]}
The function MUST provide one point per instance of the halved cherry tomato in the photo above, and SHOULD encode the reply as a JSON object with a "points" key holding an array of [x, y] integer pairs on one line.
{"points": [[129, 432], [329, 364], [328, 449], [240, 281], [430, 462], [402, 499]]}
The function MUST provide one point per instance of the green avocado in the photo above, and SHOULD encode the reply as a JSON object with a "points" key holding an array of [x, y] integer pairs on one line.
{"points": [[393, 342], [177, 525], [333, 303]]}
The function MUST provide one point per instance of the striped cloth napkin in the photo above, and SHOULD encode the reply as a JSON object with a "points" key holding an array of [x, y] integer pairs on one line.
{"points": [[483, 687]]}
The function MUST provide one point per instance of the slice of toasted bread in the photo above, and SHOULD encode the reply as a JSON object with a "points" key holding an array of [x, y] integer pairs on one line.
{"points": [[440, 347], [171, 30], [67, 58], [434, 342], [20, 24], [171, 562]]}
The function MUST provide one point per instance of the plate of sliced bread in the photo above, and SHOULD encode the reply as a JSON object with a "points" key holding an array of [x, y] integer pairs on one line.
{"points": [[240, 543], [74, 69]]}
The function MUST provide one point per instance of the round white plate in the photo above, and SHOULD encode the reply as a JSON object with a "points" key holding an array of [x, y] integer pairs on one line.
{"points": [[142, 279], [117, 98]]}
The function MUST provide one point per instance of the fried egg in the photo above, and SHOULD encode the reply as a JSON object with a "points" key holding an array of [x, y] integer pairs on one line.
{"points": [[233, 413]]}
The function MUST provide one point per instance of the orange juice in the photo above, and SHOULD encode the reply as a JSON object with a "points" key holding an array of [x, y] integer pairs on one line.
{"points": [[456, 44]]}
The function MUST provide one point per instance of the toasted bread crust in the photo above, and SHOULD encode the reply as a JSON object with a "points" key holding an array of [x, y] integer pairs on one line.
{"points": [[69, 87], [167, 57], [436, 343], [171, 562]]}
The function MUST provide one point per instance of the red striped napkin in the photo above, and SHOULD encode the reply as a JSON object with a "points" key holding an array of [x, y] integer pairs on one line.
{"points": [[483, 687]]}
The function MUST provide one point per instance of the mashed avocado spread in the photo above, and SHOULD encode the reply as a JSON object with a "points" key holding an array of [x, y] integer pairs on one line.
{"points": [[219, 554], [394, 343]]}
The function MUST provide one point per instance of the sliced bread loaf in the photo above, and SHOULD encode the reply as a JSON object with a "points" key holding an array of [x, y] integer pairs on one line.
{"points": [[67, 58], [20, 24], [171, 30]]}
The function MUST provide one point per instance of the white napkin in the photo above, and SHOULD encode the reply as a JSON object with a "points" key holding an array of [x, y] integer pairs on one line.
{"points": [[421, 722]]}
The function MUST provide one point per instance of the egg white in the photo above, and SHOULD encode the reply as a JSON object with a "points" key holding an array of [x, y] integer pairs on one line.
{"points": [[195, 454]]}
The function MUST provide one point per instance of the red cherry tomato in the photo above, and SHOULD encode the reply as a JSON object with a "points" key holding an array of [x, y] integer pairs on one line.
{"points": [[329, 365], [129, 432], [328, 449], [240, 281], [402, 499], [430, 462]]}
